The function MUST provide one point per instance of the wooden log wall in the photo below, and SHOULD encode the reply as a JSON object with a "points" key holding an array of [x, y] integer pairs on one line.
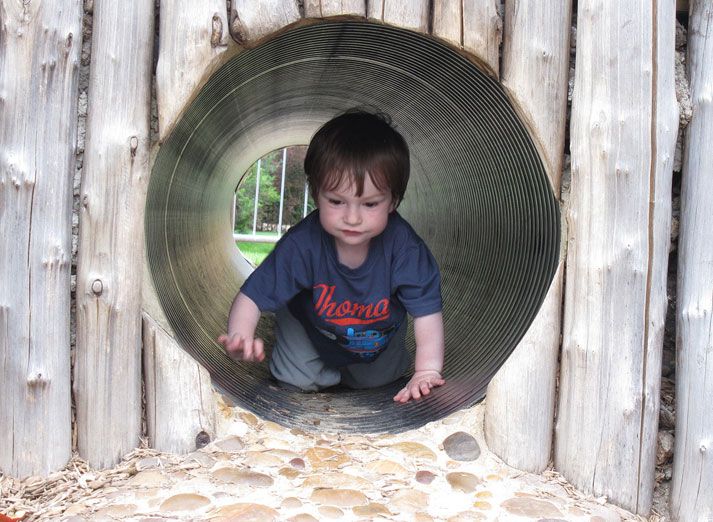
{"points": [[107, 378], [624, 123], [692, 491], [191, 38], [39, 78], [519, 431], [179, 398], [623, 126]]}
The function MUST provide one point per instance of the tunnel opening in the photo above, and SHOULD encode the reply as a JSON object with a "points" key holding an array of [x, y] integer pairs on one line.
{"points": [[479, 196]]}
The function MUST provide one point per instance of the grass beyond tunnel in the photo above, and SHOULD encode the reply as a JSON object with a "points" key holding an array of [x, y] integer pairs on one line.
{"points": [[255, 252]]}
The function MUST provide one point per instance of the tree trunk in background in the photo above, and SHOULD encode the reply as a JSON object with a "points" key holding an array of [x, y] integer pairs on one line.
{"points": [[40, 48], [473, 26], [251, 20], [692, 489], [520, 407], [192, 36], [179, 395], [412, 15], [624, 120], [116, 171], [325, 8]]}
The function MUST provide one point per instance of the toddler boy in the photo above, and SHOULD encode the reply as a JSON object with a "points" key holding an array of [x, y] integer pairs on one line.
{"points": [[343, 280]]}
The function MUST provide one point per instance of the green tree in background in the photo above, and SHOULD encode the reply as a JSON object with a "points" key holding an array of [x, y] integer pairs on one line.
{"points": [[269, 204], [269, 195]]}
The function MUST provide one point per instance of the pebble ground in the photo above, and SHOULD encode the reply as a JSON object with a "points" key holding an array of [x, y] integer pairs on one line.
{"points": [[259, 471]]}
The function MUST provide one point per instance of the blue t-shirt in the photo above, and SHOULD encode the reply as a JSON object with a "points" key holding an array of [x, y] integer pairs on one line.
{"points": [[350, 315]]}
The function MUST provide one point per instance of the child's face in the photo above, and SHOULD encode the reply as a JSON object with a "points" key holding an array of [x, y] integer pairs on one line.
{"points": [[353, 220]]}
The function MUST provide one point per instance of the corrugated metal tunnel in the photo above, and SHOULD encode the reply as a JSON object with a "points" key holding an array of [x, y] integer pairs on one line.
{"points": [[479, 196]]}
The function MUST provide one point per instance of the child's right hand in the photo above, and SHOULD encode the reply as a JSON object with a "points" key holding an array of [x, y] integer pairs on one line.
{"points": [[243, 348]]}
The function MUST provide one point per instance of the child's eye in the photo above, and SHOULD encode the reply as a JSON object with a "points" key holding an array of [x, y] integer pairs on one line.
{"points": [[372, 204], [335, 202]]}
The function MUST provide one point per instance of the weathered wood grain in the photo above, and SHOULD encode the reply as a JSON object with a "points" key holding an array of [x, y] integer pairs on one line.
{"points": [[179, 395], [475, 26], [519, 409], [622, 142], [325, 8], [192, 37], [519, 415], [39, 76], [413, 14], [108, 360], [536, 70], [251, 20], [692, 483]]}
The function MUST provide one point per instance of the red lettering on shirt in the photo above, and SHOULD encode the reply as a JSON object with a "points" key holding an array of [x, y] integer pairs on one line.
{"points": [[347, 313]]}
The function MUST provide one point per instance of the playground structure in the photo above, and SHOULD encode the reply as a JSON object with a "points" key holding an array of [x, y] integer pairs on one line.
{"points": [[624, 119]]}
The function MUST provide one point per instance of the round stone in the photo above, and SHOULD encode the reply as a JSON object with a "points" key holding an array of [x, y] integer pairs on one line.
{"points": [[149, 478], [461, 446], [339, 497], [297, 463], [244, 512], [185, 502], [371, 510], [336, 480], [386, 467], [242, 477], [531, 507], [291, 503], [320, 457], [462, 481], [425, 477], [466, 516], [331, 512], [116, 511], [409, 500], [249, 419], [230, 444], [289, 473], [302, 517], [415, 450], [262, 458]]}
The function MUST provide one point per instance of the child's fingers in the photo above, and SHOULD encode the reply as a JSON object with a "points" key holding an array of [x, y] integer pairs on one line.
{"points": [[259, 350], [418, 389], [235, 347], [403, 395], [249, 350]]}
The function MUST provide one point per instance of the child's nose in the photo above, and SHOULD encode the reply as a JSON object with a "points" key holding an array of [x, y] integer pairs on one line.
{"points": [[353, 216]]}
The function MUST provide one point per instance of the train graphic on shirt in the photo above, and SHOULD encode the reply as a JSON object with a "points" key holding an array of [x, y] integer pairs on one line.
{"points": [[366, 343]]}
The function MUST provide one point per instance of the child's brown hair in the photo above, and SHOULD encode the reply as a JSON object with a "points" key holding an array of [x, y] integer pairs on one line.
{"points": [[355, 144]]}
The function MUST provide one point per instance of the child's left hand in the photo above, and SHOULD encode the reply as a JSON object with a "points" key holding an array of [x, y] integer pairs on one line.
{"points": [[420, 385]]}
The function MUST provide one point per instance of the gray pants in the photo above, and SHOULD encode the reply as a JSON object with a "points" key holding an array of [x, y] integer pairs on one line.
{"points": [[294, 360]]}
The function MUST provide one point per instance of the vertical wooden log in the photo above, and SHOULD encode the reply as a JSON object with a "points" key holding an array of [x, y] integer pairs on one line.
{"points": [[108, 363], [519, 415], [39, 75], [179, 395], [192, 37], [474, 26], [692, 488], [325, 8], [251, 20], [413, 14], [624, 120], [520, 404]]}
